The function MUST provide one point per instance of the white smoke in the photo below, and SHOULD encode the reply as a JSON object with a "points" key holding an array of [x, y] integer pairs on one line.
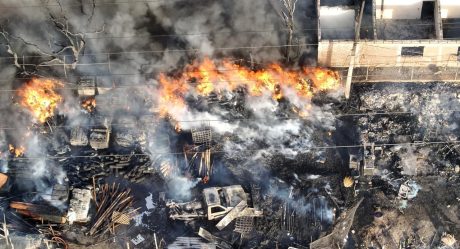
{"points": [[415, 161], [179, 187], [160, 31]]}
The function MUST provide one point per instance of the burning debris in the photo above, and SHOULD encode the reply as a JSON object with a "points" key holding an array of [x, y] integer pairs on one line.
{"points": [[99, 136], [268, 139], [206, 77], [89, 104], [348, 182], [208, 136], [16, 151]]}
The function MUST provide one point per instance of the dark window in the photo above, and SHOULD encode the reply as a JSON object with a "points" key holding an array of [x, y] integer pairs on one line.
{"points": [[428, 10], [217, 209], [412, 51]]}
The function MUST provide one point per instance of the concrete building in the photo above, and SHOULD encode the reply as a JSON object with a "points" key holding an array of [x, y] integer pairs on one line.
{"points": [[374, 37]]}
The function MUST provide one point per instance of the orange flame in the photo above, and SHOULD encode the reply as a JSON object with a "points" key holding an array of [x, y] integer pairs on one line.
{"points": [[171, 92], [16, 151], [204, 77], [89, 104], [177, 128], [40, 98], [322, 79]]}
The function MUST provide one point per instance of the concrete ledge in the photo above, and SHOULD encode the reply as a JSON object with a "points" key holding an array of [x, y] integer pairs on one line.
{"points": [[403, 74]]}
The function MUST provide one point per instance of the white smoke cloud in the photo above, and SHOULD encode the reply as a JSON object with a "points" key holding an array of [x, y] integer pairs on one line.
{"points": [[120, 28]]}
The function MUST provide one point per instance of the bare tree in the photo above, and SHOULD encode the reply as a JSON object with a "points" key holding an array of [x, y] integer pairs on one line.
{"points": [[65, 51], [288, 18], [9, 48]]}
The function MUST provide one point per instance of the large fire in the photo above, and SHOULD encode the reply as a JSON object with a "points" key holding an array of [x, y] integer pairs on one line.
{"points": [[40, 98], [206, 76]]}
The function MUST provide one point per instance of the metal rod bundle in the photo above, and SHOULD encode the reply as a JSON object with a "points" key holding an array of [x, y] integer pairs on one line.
{"points": [[110, 199]]}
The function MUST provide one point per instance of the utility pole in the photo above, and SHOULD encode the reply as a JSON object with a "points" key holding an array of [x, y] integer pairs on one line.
{"points": [[353, 51]]}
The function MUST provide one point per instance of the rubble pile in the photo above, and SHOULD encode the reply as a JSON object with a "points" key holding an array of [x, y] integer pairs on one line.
{"points": [[85, 158], [273, 162], [409, 137]]}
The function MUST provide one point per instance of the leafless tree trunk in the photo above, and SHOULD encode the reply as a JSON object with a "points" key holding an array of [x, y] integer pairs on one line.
{"points": [[66, 52], [288, 18]]}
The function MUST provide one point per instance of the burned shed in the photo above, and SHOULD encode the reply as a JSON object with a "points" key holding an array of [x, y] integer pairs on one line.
{"points": [[99, 136], [78, 136], [127, 133], [86, 87]]}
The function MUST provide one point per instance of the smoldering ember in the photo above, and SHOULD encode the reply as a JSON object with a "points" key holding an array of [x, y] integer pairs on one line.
{"points": [[229, 124]]}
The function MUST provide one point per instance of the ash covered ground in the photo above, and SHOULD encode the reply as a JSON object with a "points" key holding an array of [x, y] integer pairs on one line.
{"points": [[167, 125]]}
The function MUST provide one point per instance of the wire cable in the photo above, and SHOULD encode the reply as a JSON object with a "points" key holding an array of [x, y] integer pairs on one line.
{"points": [[113, 86], [107, 53], [246, 150], [95, 4], [135, 123], [164, 51], [269, 31]]}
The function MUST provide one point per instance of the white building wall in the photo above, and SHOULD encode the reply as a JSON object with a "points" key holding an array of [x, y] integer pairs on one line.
{"points": [[387, 53], [450, 8], [400, 9]]}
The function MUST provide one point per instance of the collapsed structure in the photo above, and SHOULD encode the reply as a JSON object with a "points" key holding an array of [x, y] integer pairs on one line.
{"points": [[226, 203]]}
